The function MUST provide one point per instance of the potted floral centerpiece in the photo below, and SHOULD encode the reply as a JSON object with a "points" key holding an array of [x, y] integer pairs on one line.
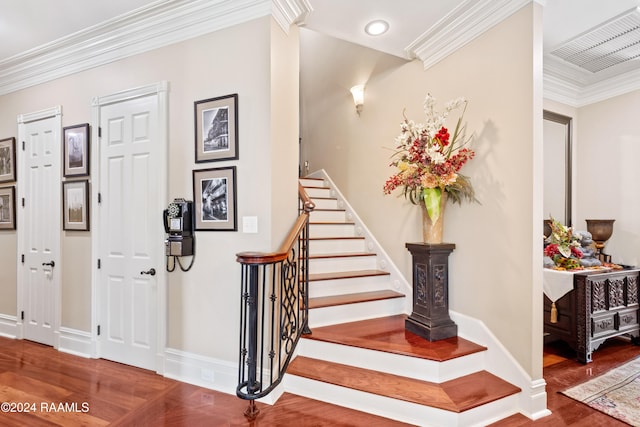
{"points": [[428, 160], [563, 247]]}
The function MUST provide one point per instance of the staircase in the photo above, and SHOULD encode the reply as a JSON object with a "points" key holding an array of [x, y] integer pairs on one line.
{"points": [[359, 354]]}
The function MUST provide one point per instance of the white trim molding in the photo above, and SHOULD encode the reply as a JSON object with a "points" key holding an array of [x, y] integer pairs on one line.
{"points": [[289, 12], [466, 22], [8, 326], [200, 370], [158, 24], [76, 342]]}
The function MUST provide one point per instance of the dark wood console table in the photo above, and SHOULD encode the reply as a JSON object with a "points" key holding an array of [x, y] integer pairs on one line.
{"points": [[601, 305]]}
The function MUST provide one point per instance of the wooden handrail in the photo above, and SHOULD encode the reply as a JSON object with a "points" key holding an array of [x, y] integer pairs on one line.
{"points": [[282, 252]]}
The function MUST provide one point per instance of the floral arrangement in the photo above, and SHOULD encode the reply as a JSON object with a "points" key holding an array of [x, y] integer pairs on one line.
{"points": [[563, 247], [428, 158]]}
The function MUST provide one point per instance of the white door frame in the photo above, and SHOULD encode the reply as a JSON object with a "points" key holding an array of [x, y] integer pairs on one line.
{"points": [[23, 119], [160, 89]]}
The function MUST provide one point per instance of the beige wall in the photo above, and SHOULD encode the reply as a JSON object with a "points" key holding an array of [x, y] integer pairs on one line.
{"points": [[494, 273], [204, 302]]}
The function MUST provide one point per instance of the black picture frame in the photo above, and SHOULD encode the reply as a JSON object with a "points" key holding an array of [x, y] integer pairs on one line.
{"points": [[76, 146], [75, 205], [8, 208], [8, 159], [214, 198], [216, 129]]}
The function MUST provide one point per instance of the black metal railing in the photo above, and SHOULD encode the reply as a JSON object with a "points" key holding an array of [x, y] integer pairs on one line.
{"points": [[274, 310]]}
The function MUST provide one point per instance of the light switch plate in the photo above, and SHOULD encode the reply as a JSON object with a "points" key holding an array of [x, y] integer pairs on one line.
{"points": [[249, 224]]}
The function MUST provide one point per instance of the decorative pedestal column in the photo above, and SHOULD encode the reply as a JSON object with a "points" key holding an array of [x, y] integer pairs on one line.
{"points": [[430, 317]]}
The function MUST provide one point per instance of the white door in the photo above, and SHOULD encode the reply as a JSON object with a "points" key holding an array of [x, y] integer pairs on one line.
{"points": [[131, 238], [39, 224]]}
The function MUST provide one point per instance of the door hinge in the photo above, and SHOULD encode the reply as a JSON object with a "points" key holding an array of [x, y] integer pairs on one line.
{"points": [[99, 132], [23, 202], [23, 258], [99, 197], [99, 264], [98, 329], [23, 145], [22, 315]]}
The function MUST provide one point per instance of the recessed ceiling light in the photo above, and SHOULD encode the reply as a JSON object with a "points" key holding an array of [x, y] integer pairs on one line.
{"points": [[375, 28]]}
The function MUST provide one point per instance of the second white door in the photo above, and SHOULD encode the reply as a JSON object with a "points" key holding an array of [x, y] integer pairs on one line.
{"points": [[131, 234]]}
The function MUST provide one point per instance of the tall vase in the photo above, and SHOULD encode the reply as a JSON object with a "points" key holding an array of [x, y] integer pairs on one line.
{"points": [[432, 229]]}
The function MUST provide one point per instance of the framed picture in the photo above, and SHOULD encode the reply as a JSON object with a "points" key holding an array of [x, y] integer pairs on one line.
{"points": [[75, 205], [7, 160], [76, 150], [7, 208], [216, 129], [214, 196]]}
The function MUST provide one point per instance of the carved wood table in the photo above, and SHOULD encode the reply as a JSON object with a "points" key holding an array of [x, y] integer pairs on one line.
{"points": [[601, 305]]}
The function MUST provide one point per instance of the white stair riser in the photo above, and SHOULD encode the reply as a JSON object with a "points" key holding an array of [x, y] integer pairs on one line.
{"points": [[332, 246], [323, 288], [332, 230], [318, 192], [353, 312], [328, 265], [400, 410], [326, 203], [308, 182], [396, 364], [328, 216]]}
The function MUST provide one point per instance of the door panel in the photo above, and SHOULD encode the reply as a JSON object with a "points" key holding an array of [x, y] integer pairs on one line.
{"points": [[41, 236], [132, 240]]}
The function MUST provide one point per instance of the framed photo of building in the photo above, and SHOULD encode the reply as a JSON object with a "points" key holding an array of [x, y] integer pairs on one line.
{"points": [[75, 143], [7, 208], [214, 196], [75, 205], [7, 160], [216, 129]]}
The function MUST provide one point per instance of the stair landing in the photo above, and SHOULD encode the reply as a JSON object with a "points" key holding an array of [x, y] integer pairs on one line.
{"points": [[388, 334]]}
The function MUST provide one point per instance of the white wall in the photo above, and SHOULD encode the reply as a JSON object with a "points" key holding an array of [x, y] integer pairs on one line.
{"points": [[494, 271], [204, 302], [607, 174]]}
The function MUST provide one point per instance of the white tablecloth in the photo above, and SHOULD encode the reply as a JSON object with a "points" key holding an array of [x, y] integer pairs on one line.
{"points": [[557, 283]]}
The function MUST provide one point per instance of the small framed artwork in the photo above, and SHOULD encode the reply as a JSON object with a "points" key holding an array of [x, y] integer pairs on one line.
{"points": [[214, 196], [216, 122], [75, 205], [7, 208], [7, 160], [76, 150]]}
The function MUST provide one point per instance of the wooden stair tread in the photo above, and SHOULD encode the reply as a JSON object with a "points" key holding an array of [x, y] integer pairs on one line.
{"points": [[388, 334], [342, 255], [333, 300], [456, 395], [346, 275]]}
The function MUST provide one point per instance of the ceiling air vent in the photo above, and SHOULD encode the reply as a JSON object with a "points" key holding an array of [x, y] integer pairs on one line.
{"points": [[610, 44]]}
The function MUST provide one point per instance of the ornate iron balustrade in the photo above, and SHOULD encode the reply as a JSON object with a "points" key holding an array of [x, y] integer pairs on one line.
{"points": [[274, 310]]}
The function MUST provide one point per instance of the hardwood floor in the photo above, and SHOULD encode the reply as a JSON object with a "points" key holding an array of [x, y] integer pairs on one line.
{"points": [[72, 391], [59, 389], [562, 371]]}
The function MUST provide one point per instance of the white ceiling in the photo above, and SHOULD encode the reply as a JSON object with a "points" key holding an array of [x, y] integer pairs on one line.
{"points": [[28, 25]]}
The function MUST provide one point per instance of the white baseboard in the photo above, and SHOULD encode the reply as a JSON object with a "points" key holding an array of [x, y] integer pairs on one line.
{"points": [[214, 374], [8, 326], [75, 342], [532, 400]]}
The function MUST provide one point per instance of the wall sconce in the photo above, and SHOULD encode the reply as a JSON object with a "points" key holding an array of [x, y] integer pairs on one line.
{"points": [[358, 97]]}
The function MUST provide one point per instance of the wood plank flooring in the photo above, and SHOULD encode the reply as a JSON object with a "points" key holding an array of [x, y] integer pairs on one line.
{"points": [[119, 395], [561, 371], [72, 391]]}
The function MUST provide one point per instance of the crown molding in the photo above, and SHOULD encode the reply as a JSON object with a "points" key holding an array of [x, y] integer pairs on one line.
{"points": [[466, 22], [159, 24], [288, 12]]}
